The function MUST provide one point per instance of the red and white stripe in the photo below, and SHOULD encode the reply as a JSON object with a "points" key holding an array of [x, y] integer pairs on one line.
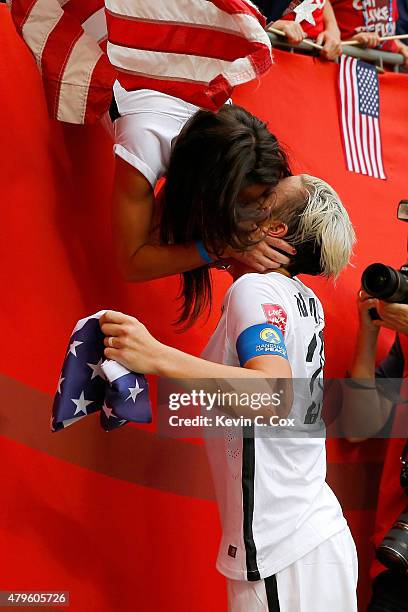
{"points": [[361, 133], [197, 50], [77, 75]]}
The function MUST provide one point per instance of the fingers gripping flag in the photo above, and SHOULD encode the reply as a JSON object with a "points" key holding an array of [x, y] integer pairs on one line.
{"points": [[89, 384], [196, 50], [360, 117]]}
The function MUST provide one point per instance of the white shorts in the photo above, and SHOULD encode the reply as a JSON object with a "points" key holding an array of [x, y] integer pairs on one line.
{"points": [[324, 580], [148, 123]]}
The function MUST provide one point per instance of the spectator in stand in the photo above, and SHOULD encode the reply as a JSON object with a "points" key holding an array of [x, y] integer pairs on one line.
{"points": [[367, 21], [299, 20], [402, 23]]}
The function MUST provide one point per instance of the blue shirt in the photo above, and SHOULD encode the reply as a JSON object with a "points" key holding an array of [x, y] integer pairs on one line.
{"points": [[402, 23], [272, 9]]}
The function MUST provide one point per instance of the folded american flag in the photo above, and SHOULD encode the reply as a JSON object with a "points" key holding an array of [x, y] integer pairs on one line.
{"points": [[360, 117], [88, 384], [197, 50]]}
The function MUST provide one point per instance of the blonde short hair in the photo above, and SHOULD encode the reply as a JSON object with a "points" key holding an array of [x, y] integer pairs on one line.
{"points": [[317, 216]]}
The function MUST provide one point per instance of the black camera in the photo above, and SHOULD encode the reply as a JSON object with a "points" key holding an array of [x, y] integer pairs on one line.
{"points": [[393, 550], [384, 282]]}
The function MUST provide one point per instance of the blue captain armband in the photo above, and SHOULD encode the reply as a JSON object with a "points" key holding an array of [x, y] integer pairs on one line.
{"points": [[257, 340]]}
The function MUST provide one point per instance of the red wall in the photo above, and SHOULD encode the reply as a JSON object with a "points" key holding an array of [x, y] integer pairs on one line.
{"points": [[127, 521]]}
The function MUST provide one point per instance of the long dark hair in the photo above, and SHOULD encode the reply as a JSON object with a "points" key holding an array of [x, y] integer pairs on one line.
{"points": [[215, 156]]}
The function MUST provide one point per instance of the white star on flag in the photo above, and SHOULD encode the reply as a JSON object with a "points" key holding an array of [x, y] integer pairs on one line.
{"points": [[305, 10], [61, 380], [134, 392], [81, 404], [72, 347], [89, 384], [109, 412], [97, 370]]}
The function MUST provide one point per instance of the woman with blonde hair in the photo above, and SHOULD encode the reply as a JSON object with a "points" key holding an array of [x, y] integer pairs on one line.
{"points": [[285, 543]]}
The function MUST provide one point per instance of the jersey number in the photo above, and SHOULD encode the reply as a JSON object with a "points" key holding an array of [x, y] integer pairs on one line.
{"points": [[314, 411]]}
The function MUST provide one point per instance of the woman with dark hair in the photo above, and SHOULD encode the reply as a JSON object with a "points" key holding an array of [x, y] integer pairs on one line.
{"points": [[222, 170], [212, 164], [164, 62]]}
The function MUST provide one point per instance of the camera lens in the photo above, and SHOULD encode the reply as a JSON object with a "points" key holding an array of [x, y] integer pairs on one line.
{"points": [[378, 280], [385, 283], [393, 550]]}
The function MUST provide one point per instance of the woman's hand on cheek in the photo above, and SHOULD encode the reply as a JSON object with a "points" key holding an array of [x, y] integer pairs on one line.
{"points": [[128, 342], [263, 257]]}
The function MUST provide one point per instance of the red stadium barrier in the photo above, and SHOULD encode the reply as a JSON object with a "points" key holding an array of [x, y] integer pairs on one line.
{"points": [[127, 521]]}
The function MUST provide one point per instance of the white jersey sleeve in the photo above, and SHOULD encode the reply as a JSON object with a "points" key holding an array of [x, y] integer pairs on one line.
{"points": [[149, 122], [257, 320]]}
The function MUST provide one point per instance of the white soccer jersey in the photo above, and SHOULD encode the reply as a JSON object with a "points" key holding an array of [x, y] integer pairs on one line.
{"points": [[274, 503], [149, 122]]}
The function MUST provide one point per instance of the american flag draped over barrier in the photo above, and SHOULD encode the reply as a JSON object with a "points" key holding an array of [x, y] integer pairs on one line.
{"points": [[197, 50], [360, 117]]}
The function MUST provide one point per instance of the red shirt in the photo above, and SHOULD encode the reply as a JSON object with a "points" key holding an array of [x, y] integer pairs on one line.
{"points": [[391, 499], [354, 16], [312, 31]]}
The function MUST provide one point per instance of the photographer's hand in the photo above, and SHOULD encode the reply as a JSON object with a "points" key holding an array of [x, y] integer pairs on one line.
{"points": [[364, 304], [366, 343], [393, 316], [364, 410]]}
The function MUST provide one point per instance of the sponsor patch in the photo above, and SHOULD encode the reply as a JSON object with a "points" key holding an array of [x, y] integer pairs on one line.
{"points": [[275, 315], [232, 551], [269, 334]]}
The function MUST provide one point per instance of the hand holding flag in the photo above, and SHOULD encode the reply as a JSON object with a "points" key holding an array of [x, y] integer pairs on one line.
{"points": [[88, 384]]}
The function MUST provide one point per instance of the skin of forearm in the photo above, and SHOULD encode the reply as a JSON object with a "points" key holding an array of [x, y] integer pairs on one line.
{"points": [[364, 410], [329, 18], [200, 374], [140, 257], [364, 355], [135, 219], [364, 414], [176, 364], [151, 261]]}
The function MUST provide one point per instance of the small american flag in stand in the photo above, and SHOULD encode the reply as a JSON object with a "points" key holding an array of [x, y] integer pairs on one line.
{"points": [[89, 384], [360, 114]]}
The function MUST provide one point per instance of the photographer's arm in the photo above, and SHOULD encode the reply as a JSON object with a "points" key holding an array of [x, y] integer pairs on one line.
{"points": [[365, 411]]}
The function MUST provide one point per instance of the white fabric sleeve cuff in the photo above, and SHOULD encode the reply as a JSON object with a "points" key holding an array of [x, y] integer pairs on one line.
{"points": [[137, 163]]}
